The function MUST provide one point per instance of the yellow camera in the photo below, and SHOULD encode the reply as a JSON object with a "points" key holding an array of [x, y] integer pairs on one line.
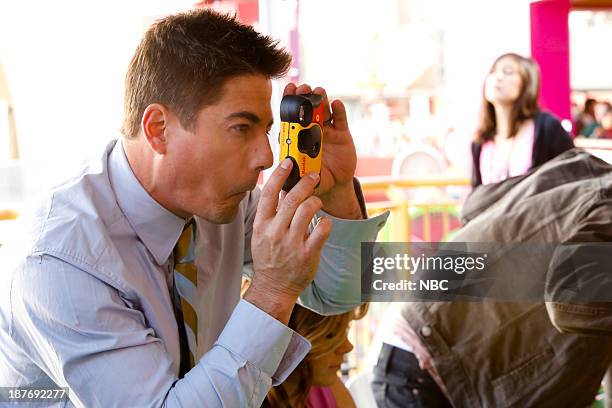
{"points": [[301, 135]]}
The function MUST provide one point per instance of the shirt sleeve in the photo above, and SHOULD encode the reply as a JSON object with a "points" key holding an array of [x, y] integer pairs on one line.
{"points": [[337, 284], [105, 353]]}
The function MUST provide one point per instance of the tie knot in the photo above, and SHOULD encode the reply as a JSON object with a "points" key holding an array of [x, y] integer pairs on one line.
{"points": [[184, 248]]}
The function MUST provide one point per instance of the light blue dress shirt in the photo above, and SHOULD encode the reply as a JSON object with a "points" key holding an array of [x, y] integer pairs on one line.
{"points": [[87, 304]]}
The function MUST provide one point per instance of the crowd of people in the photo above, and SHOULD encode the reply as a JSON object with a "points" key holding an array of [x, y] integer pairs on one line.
{"points": [[129, 286], [595, 120]]}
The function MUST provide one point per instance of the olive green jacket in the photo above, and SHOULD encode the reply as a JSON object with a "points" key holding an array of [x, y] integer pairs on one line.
{"points": [[532, 354]]}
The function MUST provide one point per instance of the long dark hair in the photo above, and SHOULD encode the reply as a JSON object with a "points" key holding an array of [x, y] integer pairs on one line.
{"points": [[323, 334], [525, 107]]}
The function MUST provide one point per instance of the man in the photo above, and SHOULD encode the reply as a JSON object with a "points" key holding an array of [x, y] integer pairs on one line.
{"points": [[532, 343], [108, 302]]}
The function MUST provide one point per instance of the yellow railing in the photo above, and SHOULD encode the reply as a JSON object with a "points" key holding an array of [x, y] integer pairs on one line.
{"points": [[378, 183], [399, 205], [399, 230], [6, 215]]}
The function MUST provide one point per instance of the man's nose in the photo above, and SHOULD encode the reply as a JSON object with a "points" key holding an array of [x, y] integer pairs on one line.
{"points": [[262, 156]]}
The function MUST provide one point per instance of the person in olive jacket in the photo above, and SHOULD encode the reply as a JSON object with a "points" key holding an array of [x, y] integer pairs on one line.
{"points": [[549, 345]]}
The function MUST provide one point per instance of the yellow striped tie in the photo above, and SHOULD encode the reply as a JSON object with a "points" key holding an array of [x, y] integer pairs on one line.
{"points": [[185, 284]]}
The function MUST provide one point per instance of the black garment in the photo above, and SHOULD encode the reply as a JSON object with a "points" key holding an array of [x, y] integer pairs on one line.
{"points": [[185, 365], [400, 382], [550, 140]]}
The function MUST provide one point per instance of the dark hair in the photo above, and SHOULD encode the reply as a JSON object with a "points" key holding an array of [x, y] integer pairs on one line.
{"points": [[183, 61], [323, 334], [525, 107], [589, 106]]}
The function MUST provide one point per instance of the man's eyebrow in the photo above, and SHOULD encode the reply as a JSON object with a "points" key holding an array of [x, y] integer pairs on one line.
{"points": [[250, 116]]}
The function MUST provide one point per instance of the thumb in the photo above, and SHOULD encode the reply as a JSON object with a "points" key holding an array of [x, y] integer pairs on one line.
{"points": [[319, 235], [339, 115]]}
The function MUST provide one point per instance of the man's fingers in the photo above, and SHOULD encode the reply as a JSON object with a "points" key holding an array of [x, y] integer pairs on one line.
{"points": [[303, 89], [299, 193], [318, 236], [327, 111], [339, 114], [289, 89], [303, 216], [268, 201], [283, 193]]}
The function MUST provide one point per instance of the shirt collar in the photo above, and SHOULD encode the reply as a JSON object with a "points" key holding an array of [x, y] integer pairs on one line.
{"points": [[158, 228]]}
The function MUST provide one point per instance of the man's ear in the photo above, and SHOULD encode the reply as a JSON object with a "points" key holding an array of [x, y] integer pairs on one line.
{"points": [[154, 126]]}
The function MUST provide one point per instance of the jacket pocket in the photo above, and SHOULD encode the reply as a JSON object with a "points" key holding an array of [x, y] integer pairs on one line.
{"points": [[513, 385]]}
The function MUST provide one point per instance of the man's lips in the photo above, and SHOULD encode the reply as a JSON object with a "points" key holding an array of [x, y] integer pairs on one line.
{"points": [[244, 191]]}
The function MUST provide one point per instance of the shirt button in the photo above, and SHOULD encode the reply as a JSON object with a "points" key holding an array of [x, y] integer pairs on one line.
{"points": [[426, 331]]}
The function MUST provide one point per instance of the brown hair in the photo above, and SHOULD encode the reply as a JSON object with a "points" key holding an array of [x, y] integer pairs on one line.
{"points": [[183, 61], [525, 107], [323, 334]]}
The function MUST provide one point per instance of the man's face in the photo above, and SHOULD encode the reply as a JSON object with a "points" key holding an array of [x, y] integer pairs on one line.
{"points": [[219, 161]]}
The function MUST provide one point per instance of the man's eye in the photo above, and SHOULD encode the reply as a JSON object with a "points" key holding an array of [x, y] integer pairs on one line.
{"points": [[330, 335], [241, 128]]}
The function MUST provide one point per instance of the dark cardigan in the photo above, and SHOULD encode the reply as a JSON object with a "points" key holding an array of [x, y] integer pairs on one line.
{"points": [[550, 139]]}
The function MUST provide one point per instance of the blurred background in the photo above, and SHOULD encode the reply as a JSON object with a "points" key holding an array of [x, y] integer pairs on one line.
{"points": [[410, 72]]}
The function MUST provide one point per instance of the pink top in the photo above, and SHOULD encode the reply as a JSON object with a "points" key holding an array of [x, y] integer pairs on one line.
{"points": [[497, 165], [321, 397]]}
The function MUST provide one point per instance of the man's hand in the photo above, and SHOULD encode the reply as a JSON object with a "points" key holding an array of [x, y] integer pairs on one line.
{"points": [[403, 330], [339, 158], [285, 255]]}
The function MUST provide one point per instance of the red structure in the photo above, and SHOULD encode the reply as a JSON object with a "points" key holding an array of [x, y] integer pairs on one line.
{"points": [[247, 11], [550, 47]]}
